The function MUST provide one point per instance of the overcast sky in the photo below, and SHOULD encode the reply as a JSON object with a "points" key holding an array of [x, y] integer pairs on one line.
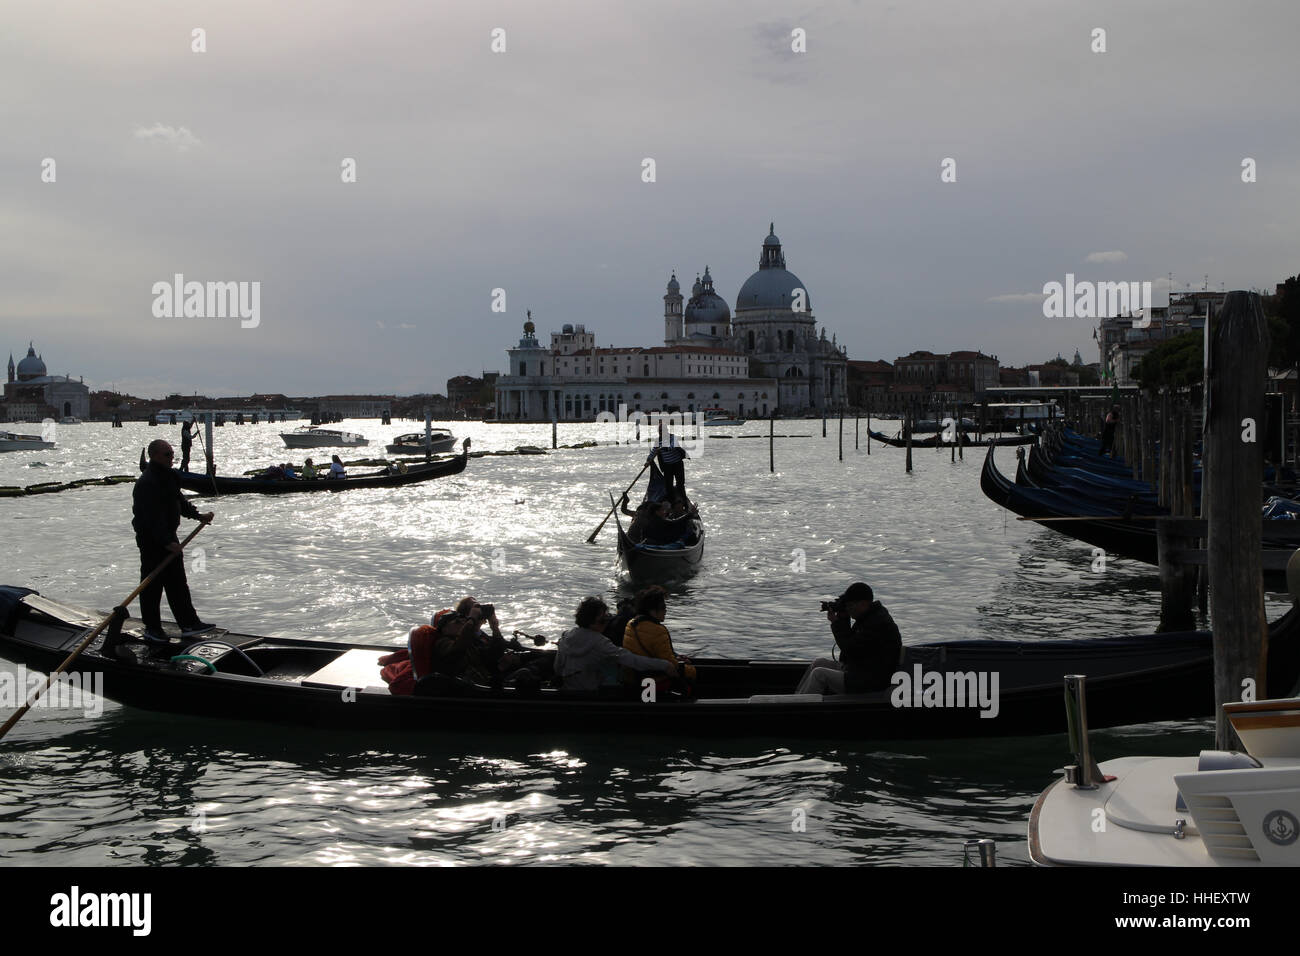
{"points": [[522, 170]]}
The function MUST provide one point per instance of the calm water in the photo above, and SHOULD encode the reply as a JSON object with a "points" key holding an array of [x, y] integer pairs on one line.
{"points": [[137, 788]]}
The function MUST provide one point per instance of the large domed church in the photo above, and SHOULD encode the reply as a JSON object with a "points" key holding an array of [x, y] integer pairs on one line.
{"points": [[767, 356], [30, 394], [773, 325]]}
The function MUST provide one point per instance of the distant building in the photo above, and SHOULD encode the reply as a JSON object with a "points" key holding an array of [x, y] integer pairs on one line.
{"points": [[31, 394], [1123, 344], [766, 358], [351, 406]]}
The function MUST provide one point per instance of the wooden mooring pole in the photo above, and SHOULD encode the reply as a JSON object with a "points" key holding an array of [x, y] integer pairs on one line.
{"points": [[908, 422], [1238, 368], [771, 443]]}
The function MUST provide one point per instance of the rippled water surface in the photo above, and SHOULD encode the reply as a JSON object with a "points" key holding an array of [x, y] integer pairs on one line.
{"points": [[144, 789]]}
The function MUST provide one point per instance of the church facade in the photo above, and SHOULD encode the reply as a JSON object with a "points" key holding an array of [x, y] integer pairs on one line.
{"points": [[766, 358], [31, 394]]}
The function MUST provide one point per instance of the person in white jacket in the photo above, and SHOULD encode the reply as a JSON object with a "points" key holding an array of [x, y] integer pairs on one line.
{"points": [[587, 660]]}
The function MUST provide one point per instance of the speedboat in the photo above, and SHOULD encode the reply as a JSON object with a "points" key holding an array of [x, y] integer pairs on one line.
{"points": [[322, 438], [9, 441], [413, 443], [720, 416], [1220, 808]]}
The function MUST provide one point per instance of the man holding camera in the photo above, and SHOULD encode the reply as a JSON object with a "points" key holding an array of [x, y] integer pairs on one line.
{"points": [[869, 644]]}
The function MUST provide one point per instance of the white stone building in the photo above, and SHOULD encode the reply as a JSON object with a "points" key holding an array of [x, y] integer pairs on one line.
{"points": [[768, 358], [31, 394]]}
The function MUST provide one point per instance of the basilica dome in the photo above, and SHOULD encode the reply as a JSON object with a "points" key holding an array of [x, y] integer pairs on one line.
{"points": [[706, 307], [31, 367], [772, 286]]}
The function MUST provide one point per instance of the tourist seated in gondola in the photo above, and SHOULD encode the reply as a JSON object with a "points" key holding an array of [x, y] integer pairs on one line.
{"points": [[869, 642], [454, 647], [651, 524], [289, 471], [397, 468], [647, 636], [336, 468], [618, 623], [275, 472], [586, 662], [309, 472]]}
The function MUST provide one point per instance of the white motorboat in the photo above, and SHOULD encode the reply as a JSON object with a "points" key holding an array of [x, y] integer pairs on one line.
{"points": [[720, 416], [1221, 808], [322, 438], [9, 441], [413, 443]]}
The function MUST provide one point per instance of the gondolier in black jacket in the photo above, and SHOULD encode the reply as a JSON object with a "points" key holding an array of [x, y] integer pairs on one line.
{"points": [[869, 644], [158, 506]]}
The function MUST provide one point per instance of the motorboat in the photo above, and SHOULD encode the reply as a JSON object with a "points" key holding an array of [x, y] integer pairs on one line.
{"points": [[442, 440], [1219, 808], [309, 437], [10, 441], [714, 417]]}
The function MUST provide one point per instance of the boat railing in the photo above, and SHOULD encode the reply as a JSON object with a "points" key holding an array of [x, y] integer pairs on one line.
{"points": [[986, 853], [1083, 774]]}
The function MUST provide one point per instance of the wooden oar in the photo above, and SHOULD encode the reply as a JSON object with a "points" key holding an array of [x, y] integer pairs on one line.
{"points": [[592, 538], [49, 679]]}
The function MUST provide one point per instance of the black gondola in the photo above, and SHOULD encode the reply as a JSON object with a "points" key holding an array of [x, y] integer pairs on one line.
{"points": [[225, 485], [936, 440], [660, 562], [325, 684]]}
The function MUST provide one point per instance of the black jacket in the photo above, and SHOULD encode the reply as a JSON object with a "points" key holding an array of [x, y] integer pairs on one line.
{"points": [[869, 649], [158, 506]]}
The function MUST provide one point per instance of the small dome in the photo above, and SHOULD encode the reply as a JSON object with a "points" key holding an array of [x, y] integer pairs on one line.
{"points": [[706, 307], [568, 328], [673, 285], [772, 286], [697, 288], [32, 366]]}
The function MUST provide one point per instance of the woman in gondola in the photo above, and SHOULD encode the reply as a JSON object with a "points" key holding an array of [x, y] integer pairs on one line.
{"points": [[647, 636]]}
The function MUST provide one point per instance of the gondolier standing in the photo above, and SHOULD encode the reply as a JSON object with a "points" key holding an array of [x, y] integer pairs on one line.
{"points": [[672, 458], [158, 506], [187, 442]]}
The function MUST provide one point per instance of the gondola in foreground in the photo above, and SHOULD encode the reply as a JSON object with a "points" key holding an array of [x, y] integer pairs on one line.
{"points": [[326, 684], [224, 485]]}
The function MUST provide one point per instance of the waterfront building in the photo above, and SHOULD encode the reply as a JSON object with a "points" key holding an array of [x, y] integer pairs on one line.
{"points": [[31, 394], [1124, 340], [766, 358]]}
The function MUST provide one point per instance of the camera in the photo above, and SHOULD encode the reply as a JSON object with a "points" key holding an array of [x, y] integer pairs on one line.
{"points": [[836, 606], [488, 609]]}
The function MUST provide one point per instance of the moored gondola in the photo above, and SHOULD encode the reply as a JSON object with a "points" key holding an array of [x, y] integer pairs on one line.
{"points": [[937, 440], [972, 688], [385, 478]]}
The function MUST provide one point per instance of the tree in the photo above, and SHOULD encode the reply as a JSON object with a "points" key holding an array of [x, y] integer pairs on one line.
{"points": [[1174, 363]]}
